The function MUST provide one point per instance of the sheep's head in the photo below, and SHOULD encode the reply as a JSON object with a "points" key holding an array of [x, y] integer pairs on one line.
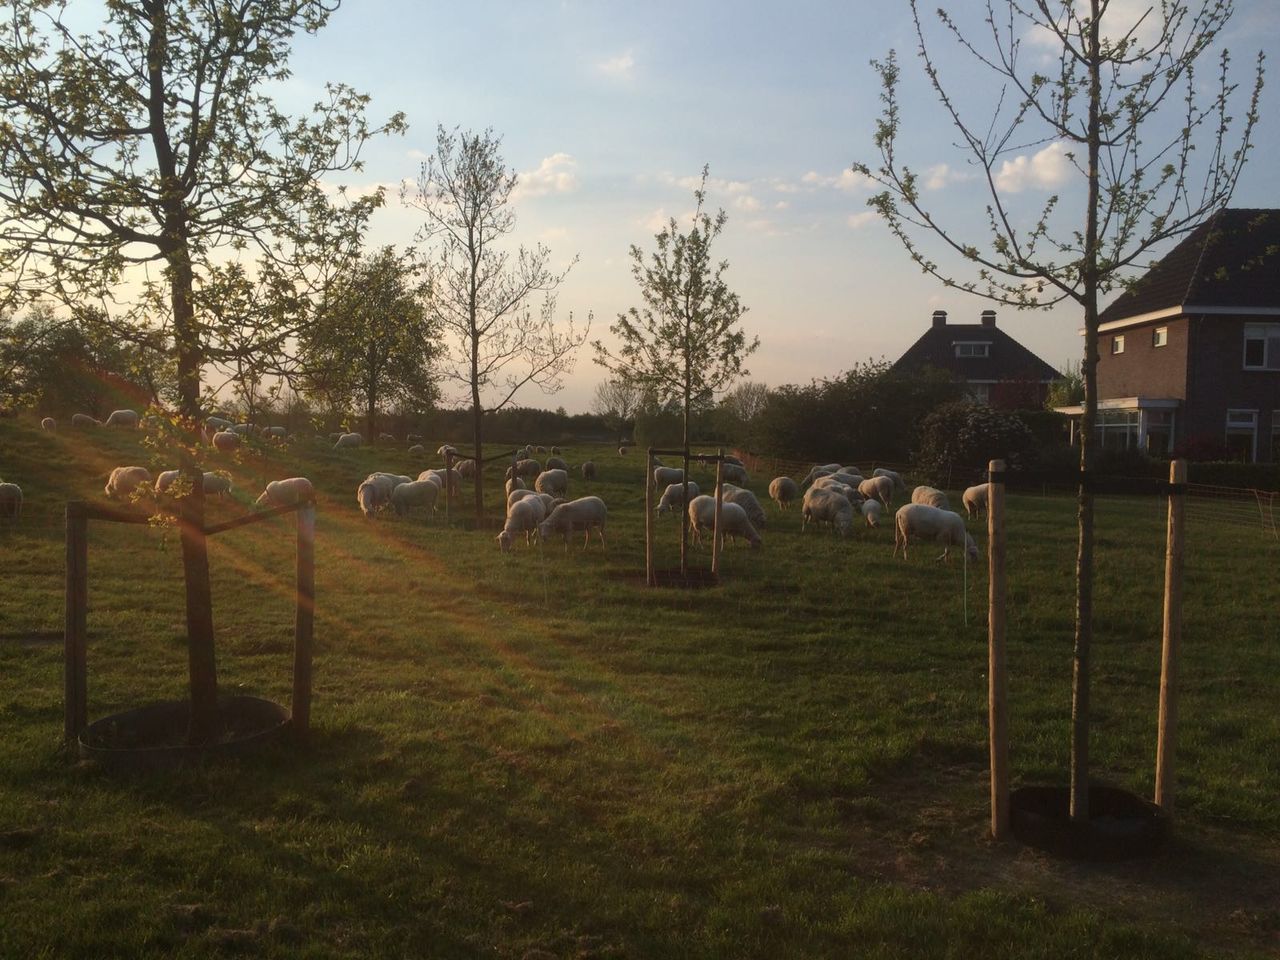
{"points": [[504, 541], [970, 547]]}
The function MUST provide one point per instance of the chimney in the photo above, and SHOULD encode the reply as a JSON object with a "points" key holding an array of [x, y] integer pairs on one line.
{"points": [[988, 318], [939, 318]]}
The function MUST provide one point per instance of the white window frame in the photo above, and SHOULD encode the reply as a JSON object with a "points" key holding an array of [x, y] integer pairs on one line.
{"points": [[1239, 429], [1160, 337], [972, 352], [1117, 344], [1269, 334]]}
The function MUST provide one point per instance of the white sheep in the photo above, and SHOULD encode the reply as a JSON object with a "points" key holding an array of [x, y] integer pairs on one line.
{"points": [[287, 492], [218, 423], [215, 484], [930, 497], [417, 451], [920, 521], [524, 516], [733, 473], [466, 468], [415, 493], [346, 441], [821, 471], [413, 438], [84, 420], [276, 433], [455, 481], [50, 424], [525, 469], [585, 513], [849, 478], [871, 512], [540, 449], [783, 491], [10, 501], [975, 499], [515, 483], [515, 496], [165, 480], [744, 498], [386, 438], [877, 488], [899, 484], [556, 463], [226, 441], [554, 482], [673, 497], [824, 505], [734, 522], [665, 476], [622, 451], [373, 494], [589, 470], [243, 429], [555, 451], [125, 480], [549, 502], [446, 449], [122, 418], [394, 479]]}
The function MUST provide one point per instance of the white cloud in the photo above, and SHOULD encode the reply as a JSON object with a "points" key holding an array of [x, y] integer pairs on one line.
{"points": [[1046, 168], [782, 205], [656, 221], [1142, 17], [846, 180], [555, 174], [715, 185], [857, 221], [418, 155], [620, 66], [939, 176], [746, 203]]}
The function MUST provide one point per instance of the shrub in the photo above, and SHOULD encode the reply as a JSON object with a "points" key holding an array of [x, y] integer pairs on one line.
{"points": [[958, 439]]}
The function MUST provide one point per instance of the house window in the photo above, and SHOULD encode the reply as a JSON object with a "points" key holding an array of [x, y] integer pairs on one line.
{"points": [[1159, 432], [1160, 337], [1242, 434], [973, 349], [1118, 429], [1117, 344], [1262, 346], [979, 392]]}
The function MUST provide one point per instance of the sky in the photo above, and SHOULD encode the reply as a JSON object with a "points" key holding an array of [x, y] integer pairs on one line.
{"points": [[608, 112]]}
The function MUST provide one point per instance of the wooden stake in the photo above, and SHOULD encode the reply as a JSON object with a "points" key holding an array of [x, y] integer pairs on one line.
{"points": [[997, 683], [75, 623], [716, 545], [304, 620], [1167, 736], [649, 576]]}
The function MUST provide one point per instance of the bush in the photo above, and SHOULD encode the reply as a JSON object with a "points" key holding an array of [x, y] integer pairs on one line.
{"points": [[958, 439]]}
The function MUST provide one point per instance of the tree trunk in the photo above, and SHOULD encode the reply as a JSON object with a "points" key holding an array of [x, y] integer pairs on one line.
{"points": [[477, 430], [684, 513]]}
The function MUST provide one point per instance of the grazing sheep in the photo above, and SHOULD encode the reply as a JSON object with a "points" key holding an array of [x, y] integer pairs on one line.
{"points": [[523, 516], [417, 451], [877, 488], [333, 437], [243, 429], [581, 514], [285, 493], [923, 522], [673, 497], [122, 418], [525, 469], [589, 470], [540, 449], [218, 423], [84, 420], [622, 451], [349, 441], [415, 493], [165, 480], [276, 433], [930, 497], [10, 501], [445, 450], [899, 484], [734, 522], [225, 441], [125, 480], [515, 483], [50, 424], [555, 451], [846, 476], [455, 480], [975, 499], [466, 468], [821, 471], [386, 438], [515, 496], [555, 463], [554, 482], [373, 494], [413, 438], [747, 501], [824, 505], [783, 491], [871, 512], [216, 484], [665, 476]]}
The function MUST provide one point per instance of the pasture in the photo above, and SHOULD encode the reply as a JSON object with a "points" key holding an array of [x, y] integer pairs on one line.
{"points": [[533, 755]]}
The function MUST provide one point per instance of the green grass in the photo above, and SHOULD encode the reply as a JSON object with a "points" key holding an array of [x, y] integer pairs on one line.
{"points": [[533, 755]]}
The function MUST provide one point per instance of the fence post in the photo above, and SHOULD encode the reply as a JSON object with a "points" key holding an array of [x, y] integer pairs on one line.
{"points": [[304, 620], [715, 531], [997, 682], [1167, 736], [75, 626], [448, 485], [649, 577]]}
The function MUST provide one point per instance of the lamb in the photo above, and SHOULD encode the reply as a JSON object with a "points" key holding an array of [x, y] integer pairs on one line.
{"points": [[734, 522], [525, 469], [923, 522], [285, 493], [415, 493], [877, 488], [10, 501], [589, 470], [747, 501], [84, 420], [899, 484], [225, 441], [733, 473], [524, 516], [122, 418], [555, 463], [125, 480], [665, 476], [554, 482], [975, 499], [515, 483], [783, 491], [930, 497], [871, 512], [823, 505], [50, 424], [348, 441], [581, 514], [673, 497]]}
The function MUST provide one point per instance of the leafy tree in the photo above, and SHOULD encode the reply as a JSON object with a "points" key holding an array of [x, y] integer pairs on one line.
{"points": [[495, 340], [685, 340], [372, 341], [152, 140], [617, 401], [1102, 108], [1068, 389], [959, 439]]}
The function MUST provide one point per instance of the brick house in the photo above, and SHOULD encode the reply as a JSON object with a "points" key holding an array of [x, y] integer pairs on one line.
{"points": [[996, 368], [1190, 354]]}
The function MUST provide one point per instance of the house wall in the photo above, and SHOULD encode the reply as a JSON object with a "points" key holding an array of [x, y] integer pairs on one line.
{"points": [[1218, 382], [1143, 370]]}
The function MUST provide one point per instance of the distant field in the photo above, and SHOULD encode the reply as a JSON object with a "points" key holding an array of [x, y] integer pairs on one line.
{"points": [[535, 756]]}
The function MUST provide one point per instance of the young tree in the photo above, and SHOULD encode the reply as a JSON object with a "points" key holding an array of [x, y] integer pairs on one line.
{"points": [[617, 402], [372, 341], [1143, 178], [496, 340], [685, 340], [152, 140]]}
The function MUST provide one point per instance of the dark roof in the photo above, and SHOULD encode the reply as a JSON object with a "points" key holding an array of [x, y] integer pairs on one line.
{"points": [[1007, 359], [1230, 260]]}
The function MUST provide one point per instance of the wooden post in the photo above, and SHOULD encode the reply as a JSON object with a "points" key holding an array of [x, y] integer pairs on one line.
{"points": [[304, 620], [715, 531], [1167, 737], [75, 624], [649, 576], [448, 484], [997, 683]]}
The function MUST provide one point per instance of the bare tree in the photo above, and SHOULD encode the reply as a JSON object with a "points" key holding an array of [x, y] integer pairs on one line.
{"points": [[617, 402], [496, 341], [1145, 178]]}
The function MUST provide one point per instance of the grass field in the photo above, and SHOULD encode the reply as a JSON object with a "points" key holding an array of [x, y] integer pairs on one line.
{"points": [[535, 756]]}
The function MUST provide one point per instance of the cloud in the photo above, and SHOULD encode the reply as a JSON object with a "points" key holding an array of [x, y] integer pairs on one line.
{"points": [[845, 180], [940, 176], [419, 155], [857, 221], [1142, 17], [746, 203], [715, 185], [1047, 168], [620, 66], [656, 221], [782, 205], [555, 174]]}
